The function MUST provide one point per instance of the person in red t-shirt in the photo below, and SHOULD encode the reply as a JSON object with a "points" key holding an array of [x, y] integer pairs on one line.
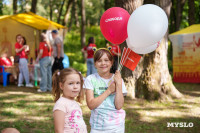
{"points": [[90, 53], [44, 57], [8, 65], [20, 50], [116, 52]]}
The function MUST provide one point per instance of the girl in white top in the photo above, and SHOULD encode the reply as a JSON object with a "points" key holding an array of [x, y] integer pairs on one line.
{"points": [[67, 114], [105, 95]]}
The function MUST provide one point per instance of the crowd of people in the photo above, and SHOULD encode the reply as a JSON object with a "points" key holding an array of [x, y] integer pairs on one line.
{"points": [[18, 65], [103, 87]]}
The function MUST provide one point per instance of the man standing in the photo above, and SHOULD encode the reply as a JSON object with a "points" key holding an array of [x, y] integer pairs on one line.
{"points": [[58, 51]]}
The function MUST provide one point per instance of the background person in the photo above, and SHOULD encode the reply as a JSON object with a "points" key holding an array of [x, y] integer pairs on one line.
{"points": [[8, 65], [104, 96], [67, 114], [58, 51], [44, 57], [23, 63], [90, 53]]}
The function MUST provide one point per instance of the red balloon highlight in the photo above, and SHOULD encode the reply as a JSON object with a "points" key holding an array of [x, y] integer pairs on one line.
{"points": [[113, 25]]}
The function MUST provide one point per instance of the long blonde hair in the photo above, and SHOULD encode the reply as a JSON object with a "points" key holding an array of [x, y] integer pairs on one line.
{"points": [[60, 77]]}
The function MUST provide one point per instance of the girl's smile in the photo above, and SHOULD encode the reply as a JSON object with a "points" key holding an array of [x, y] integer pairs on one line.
{"points": [[103, 65]]}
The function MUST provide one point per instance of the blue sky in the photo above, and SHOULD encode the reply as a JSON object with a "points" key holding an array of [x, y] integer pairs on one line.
{"points": [[7, 2]]}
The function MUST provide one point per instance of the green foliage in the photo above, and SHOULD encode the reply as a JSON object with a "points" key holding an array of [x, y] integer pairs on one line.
{"points": [[184, 22], [94, 10]]}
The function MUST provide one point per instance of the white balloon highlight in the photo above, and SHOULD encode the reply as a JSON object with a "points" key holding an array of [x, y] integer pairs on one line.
{"points": [[146, 26]]}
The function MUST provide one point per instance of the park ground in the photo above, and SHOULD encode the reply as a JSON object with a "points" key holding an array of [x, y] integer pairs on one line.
{"points": [[31, 112]]}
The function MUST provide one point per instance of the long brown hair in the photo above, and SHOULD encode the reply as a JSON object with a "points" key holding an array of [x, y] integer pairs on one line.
{"points": [[60, 77]]}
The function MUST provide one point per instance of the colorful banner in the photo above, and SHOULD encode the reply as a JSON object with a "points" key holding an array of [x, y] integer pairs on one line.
{"points": [[186, 57]]}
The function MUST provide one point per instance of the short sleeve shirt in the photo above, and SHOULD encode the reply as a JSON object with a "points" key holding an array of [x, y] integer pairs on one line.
{"points": [[44, 47], [105, 116], [5, 62], [74, 122], [57, 41], [89, 49], [22, 54]]}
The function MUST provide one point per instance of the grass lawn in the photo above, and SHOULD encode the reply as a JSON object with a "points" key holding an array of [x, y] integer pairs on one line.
{"points": [[31, 112]]}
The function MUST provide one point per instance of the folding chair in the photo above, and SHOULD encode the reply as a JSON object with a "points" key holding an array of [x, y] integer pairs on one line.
{"points": [[5, 76]]}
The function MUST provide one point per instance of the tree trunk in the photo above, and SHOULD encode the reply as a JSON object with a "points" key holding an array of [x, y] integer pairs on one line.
{"points": [[191, 12], [179, 9], [151, 77], [173, 17], [1, 7], [60, 12], [72, 16], [83, 23], [76, 14], [33, 6], [51, 9], [69, 4], [14, 6], [129, 76]]}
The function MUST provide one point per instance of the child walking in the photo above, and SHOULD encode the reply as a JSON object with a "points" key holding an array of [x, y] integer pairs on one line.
{"points": [[105, 96], [67, 86]]}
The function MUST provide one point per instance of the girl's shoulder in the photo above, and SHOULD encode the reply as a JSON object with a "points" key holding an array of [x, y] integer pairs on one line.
{"points": [[63, 104]]}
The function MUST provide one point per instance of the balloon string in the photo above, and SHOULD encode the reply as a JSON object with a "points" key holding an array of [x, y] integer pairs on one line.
{"points": [[118, 56]]}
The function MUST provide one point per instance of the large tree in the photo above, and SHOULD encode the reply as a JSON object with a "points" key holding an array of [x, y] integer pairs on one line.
{"points": [[151, 78]]}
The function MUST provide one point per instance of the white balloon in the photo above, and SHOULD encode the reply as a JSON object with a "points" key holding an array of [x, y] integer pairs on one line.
{"points": [[147, 25], [143, 50]]}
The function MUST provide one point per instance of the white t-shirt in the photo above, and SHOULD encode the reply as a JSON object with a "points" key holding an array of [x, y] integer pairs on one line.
{"points": [[105, 116], [74, 122]]}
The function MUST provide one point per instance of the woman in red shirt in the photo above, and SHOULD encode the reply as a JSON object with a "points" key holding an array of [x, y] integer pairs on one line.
{"points": [[90, 53], [23, 63], [44, 58]]}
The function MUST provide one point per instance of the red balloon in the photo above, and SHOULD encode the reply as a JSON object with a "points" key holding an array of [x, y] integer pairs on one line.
{"points": [[113, 25]]}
